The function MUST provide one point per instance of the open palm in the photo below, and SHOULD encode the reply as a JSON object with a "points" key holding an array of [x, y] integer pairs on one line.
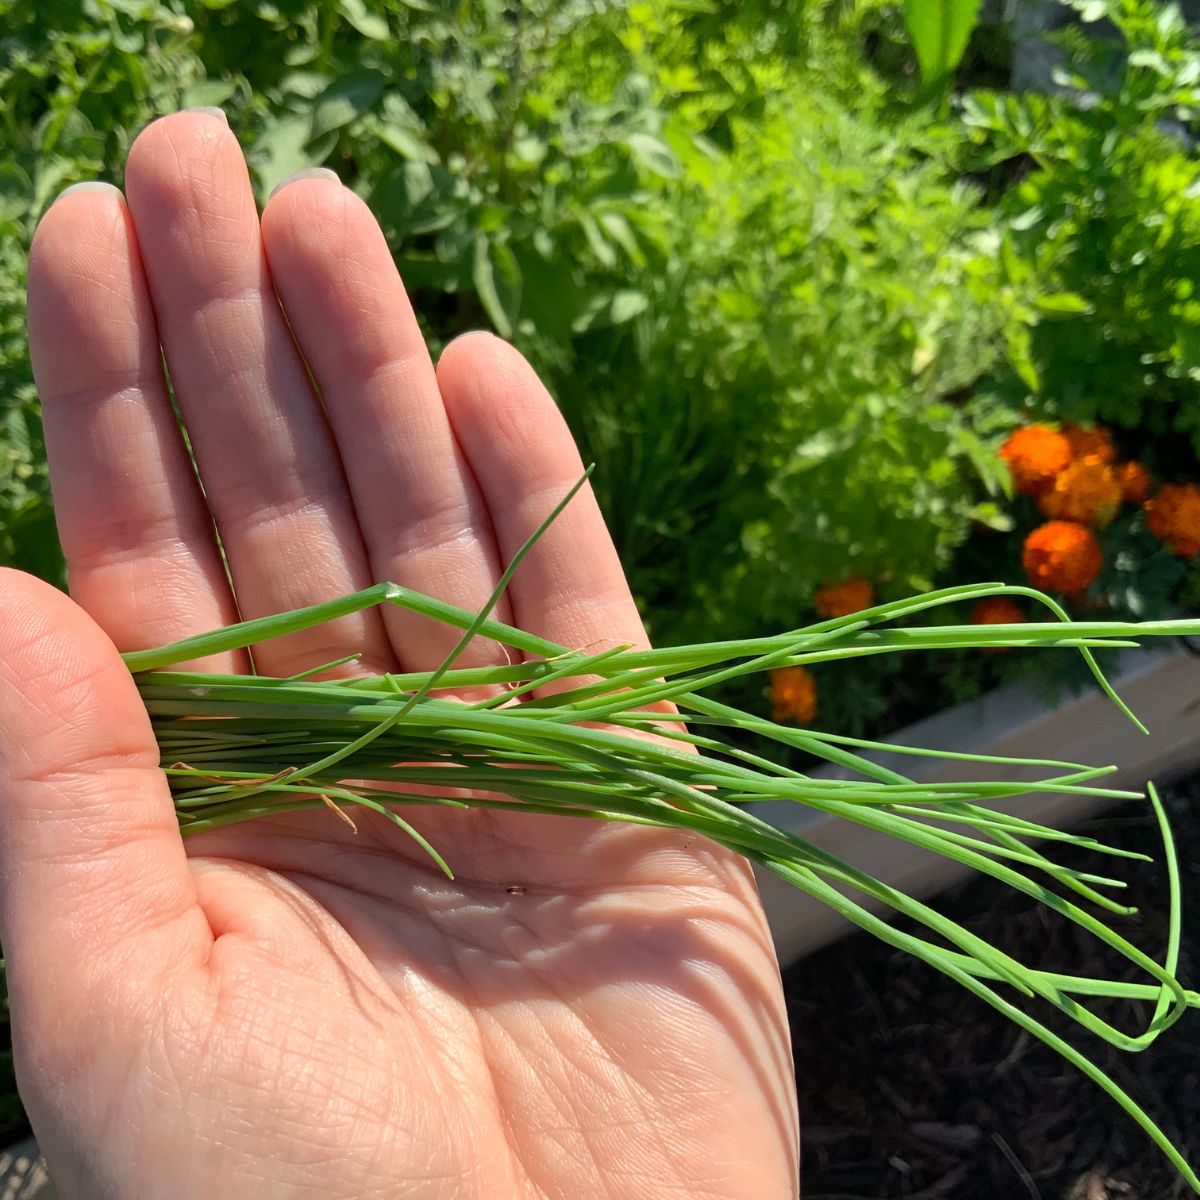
{"points": [[288, 1008]]}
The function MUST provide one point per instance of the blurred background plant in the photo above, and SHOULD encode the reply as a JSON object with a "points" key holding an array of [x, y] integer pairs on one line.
{"points": [[794, 271]]}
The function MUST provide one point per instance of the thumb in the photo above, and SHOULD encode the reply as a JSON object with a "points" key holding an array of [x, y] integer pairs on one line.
{"points": [[90, 852]]}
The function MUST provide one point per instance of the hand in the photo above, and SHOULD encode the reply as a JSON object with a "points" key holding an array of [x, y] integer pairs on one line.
{"points": [[287, 1008]]}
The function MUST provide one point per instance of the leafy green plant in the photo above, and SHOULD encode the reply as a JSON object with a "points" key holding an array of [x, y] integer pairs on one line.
{"points": [[644, 237], [792, 406], [511, 195], [1102, 221], [732, 237], [940, 30], [76, 82]]}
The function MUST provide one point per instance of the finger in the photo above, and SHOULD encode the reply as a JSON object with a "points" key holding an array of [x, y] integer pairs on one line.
{"points": [[570, 588], [139, 542], [92, 866], [267, 461], [417, 502]]}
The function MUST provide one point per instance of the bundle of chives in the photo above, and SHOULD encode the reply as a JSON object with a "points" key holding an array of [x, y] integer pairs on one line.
{"points": [[239, 747]]}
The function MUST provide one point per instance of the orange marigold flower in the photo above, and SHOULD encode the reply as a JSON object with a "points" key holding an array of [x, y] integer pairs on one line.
{"points": [[1086, 490], [842, 599], [1090, 443], [1035, 455], [1173, 516], [1062, 556], [997, 610], [794, 695], [1135, 482]]}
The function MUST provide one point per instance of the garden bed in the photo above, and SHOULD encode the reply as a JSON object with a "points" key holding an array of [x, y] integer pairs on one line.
{"points": [[1161, 687], [909, 1087]]}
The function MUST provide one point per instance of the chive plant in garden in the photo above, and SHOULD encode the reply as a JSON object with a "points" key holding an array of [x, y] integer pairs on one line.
{"points": [[630, 735]]}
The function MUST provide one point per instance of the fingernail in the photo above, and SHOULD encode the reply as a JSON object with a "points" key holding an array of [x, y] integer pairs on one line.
{"points": [[88, 185], [307, 173], [219, 113]]}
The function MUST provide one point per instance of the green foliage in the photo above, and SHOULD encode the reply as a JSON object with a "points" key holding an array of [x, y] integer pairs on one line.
{"points": [[1106, 227], [733, 236], [940, 30], [76, 82], [766, 308], [830, 299], [511, 196]]}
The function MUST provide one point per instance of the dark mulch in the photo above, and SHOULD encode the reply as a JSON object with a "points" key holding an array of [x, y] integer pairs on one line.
{"points": [[910, 1087], [14, 1125]]}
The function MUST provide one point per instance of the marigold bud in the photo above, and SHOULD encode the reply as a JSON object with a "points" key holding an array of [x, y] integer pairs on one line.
{"points": [[1135, 482], [997, 610]]}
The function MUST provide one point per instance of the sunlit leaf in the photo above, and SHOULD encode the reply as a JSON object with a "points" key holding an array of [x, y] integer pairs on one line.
{"points": [[940, 30], [497, 277], [346, 98], [281, 150], [654, 154], [369, 24], [1062, 304]]}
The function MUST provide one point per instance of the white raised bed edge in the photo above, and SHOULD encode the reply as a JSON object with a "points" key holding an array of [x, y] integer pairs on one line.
{"points": [[1161, 686]]}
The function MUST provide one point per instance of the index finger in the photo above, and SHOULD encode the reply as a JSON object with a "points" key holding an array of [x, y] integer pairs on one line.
{"points": [[139, 542]]}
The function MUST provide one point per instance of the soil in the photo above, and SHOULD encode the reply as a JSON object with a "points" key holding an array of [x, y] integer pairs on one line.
{"points": [[911, 1087]]}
